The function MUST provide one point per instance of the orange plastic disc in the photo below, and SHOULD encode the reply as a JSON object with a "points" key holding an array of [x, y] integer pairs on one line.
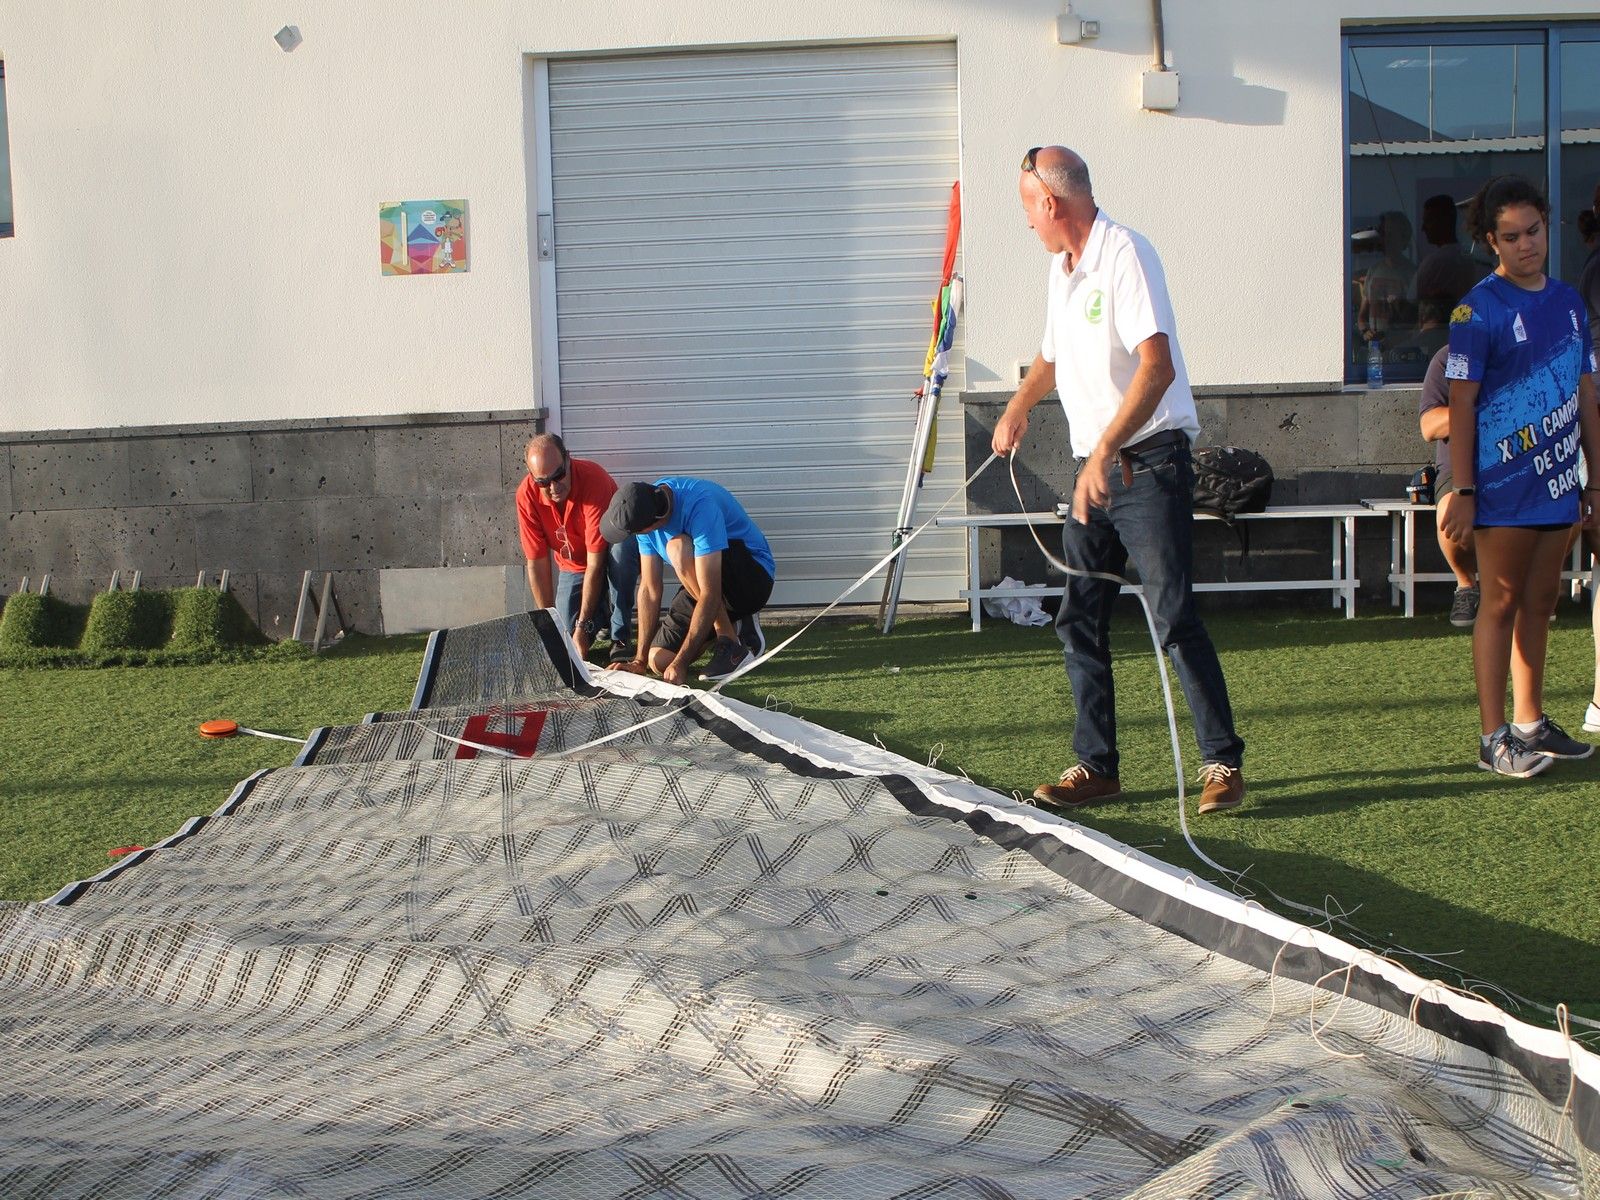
{"points": [[218, 729]]}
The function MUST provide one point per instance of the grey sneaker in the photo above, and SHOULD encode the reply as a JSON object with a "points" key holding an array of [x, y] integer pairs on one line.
{"points": [[1552, 741], [750, 634], [727, 658], [1591, 718], [1506, 754], [1464, 607]]}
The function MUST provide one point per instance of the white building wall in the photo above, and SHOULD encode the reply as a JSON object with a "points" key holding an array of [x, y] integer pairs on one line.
{"points": [[196, 211]]}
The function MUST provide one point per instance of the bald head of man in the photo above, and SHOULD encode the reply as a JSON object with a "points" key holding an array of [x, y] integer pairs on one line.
{"points": [[1056, 196], [550, 466]]}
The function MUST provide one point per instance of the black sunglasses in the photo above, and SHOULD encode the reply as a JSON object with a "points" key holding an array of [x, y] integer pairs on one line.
{"points": [[557, 476], [1030, 160]]}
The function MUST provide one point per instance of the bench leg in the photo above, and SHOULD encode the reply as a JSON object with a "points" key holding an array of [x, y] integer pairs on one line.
{"points": [[1338, 565], [974, 602], [1350, 580], [1394, 559], [1410, 550]]}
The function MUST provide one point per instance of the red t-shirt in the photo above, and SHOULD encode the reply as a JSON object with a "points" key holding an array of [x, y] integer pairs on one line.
{"points": [[572, 532]]}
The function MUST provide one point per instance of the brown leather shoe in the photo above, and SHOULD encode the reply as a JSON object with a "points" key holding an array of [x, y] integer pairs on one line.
{"points": [[1224, 787], [1079, 788]]}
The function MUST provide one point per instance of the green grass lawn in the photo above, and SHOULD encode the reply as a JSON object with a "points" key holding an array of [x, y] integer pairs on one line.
{"points": [[93, 759], [1360, 762]]}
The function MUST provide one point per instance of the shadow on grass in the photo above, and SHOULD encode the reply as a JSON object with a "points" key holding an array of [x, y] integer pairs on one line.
{"points": [[1550, 968]]}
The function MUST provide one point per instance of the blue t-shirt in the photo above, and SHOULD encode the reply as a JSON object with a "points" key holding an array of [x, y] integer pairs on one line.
{"points": [[1527, 350], [712, 518]]}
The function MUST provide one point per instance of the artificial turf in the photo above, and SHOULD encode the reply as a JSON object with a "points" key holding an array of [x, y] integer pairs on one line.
{"points": [[1364, 797]]}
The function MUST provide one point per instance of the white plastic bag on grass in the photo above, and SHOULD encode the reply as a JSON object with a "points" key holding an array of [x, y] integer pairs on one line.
{"points": [[1019, 610]]}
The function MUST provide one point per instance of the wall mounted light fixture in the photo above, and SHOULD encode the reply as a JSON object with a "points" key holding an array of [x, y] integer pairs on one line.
{"points": [[1072, 29]]}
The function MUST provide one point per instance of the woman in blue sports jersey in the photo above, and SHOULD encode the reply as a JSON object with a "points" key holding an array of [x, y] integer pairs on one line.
{"points": [[1522, 412]]}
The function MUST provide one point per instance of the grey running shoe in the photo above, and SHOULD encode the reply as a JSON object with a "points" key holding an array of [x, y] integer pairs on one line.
{"points": [[1464, 607], [1591, 718], [750, 634], [1552, 741], [1507, 755], [727, 658]]}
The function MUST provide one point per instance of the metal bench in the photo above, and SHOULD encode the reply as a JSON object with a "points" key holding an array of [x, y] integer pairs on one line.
{"points": [[1341, 580], [1403, 573]]}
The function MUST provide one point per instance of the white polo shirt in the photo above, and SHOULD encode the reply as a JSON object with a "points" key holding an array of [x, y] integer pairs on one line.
{"points": [[1114, 298]]}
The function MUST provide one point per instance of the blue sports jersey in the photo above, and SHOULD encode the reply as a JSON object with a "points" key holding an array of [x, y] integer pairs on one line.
{"points": [[712, 518], [1527, 350]]}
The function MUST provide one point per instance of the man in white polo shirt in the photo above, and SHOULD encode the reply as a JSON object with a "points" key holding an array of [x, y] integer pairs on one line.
{"points": [[1110, 350]]}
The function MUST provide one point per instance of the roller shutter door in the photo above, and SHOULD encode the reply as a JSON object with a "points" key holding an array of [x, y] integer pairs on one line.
{"points": [[745, 245]]}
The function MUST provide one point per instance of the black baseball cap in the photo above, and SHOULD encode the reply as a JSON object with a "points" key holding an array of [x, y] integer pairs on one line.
{"points": [[635, 507]]}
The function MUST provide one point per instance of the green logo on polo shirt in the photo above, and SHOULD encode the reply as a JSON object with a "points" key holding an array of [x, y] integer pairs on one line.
{"points": [[1094, 306]]}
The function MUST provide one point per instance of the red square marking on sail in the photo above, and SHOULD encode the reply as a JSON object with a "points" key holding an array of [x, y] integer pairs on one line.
{"points": [[522, 743]]}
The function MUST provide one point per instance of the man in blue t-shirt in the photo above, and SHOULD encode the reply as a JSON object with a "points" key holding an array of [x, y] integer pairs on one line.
{"points": [[725, 571]]}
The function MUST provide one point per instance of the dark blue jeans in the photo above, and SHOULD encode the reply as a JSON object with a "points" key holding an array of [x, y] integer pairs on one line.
{"points": [[1150, 522], [622, 590]]}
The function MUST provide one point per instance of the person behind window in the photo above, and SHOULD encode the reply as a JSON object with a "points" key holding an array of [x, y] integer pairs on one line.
{"points": [[1384, 311], [1446, 272], [1522, 397], [1432, 332], [1589, 274]]}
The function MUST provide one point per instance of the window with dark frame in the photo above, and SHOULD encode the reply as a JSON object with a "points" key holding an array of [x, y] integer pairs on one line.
{"points": [[1430, 115]]}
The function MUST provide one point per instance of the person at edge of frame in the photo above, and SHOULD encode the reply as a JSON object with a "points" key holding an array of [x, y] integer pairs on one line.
{"points": [[1110, 350], [1522, 400]]}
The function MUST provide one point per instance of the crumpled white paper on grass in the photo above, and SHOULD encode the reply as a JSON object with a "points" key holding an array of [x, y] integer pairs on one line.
{"points": [[1019, 610]]}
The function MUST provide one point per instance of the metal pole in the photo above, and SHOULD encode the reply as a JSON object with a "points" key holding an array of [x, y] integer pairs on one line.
{"points": [[300, 609], [322, 612], [928, 406]]}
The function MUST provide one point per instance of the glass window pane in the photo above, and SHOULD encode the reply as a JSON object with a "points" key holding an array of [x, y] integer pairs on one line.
{"points": [[1488, 91], [1388, 94], [1428, 126], [1580, 153]]}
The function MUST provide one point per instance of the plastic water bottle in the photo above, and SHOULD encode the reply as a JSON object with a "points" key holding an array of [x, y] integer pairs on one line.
{"points": [[1374, 364]]}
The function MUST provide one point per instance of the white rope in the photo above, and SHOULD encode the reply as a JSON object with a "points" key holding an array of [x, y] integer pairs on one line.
{"points": [[277, 737]]}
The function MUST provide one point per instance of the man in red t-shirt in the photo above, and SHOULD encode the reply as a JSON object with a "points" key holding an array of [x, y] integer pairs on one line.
{"points": [[570, 566]]}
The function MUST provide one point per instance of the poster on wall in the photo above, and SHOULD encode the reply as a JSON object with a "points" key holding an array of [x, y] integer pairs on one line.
{"points": [[422, 237]]}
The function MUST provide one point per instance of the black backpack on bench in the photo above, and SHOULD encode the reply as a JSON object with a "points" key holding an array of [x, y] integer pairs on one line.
{"points": [[1229, 481]]}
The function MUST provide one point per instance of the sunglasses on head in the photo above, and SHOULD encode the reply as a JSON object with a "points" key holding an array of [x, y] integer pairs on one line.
{"points": [[1030, 160], [555, 476]]}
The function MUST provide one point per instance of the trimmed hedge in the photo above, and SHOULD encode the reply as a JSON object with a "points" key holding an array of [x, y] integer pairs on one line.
{"points": [[128, 621], [203, 619], [31, 620]]}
